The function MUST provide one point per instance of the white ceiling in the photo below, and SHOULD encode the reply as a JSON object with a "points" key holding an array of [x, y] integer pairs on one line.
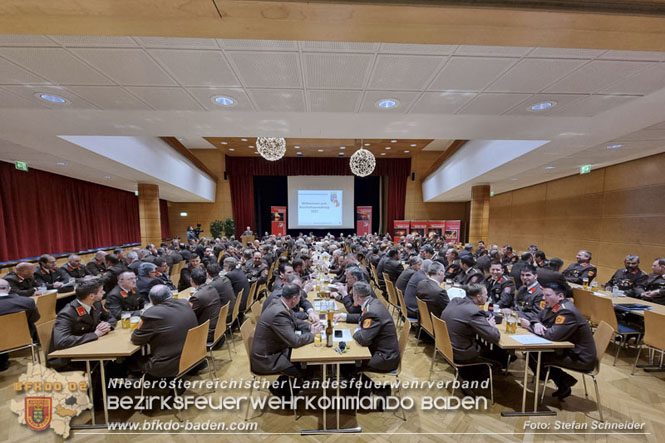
{"points": [[157, 86]]}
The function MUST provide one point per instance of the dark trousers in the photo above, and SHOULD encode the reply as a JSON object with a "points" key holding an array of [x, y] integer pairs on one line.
{"points": [[558, 376], [496, 357]]}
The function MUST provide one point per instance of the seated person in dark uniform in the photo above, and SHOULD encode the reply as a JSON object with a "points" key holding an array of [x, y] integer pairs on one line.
{"points": [[453, 268], [550, 274], [134, 260], [47, 274], [412, 287], [81, 321], [427, 252], [185, 273], [529, 299], [430, 291], [256, 269], [540, 259], [275, 336], [74, 269], [631, 279], [470, 275], [97, 266], [345, 290], [113, 269], [471, 332], [654, 290], [238, 281], [124, 297], [577, 272], [164, 327], [376, 330], [561, 321], [223, 287], [147, 278], [205, 301], [22, 281], [162, 273], [415, 262], [500, 287], [304, 309], [483, 260], [516, 269], [508, 256], [11, 303]]}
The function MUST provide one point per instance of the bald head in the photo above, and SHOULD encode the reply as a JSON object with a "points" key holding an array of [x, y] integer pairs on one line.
{"points": [[4, 286], [25, 269]]}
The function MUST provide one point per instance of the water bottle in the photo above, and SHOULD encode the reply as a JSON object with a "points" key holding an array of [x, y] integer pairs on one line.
{"points": [[615, 292], [43, 288]]}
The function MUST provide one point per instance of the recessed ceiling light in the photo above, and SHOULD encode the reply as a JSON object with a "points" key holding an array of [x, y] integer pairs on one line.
{"points": [[541, 106], [250, 147], [299, 153], [225, 143], [243, 139], [614, 146], [387, 103], [407, 151], [393, 141], [549, 167], [388, 148], [223, 100], [231, 149], [383, 153], [320, 150], [183, 214], [257, 152], [413, 145], [52, 98], [340, 154], [342, 147], [61, 163], [366, 144], [296, 147]]}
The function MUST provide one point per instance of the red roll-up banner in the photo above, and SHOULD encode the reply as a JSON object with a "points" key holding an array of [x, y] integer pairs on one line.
{"points": [[436, 227], [401, 229], [278, 220], [418, 226], [363, 220], [452, 231]]}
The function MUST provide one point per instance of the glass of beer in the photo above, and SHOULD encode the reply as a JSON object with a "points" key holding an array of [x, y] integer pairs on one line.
{"points": [[134, 323], [585, 283], [511, 324], [125, 320], [317, 339]]}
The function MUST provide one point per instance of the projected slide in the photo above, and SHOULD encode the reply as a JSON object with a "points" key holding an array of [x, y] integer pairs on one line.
{"points": [[320, 207]]}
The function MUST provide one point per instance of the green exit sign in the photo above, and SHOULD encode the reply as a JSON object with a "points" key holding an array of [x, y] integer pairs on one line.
{"points": [[21, 166], [585, 169]]}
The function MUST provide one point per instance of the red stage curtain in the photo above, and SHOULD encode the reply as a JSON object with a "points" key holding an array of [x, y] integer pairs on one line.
{"points": [[42, 213], [164, 218], [241, 171]]}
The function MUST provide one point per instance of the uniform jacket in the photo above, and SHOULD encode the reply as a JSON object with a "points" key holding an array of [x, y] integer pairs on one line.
{"points": [[453, 269], [206, 305], [501, 291], [412, 290], [95, 268], [12, 303], [164, 327], [465, 320], [529, 301], [547, 275], [239, 282], [472, 275], [632, 282], [224, 290], [19, 285], [654, 282], [119, 301], [377, 332], [434, 295], [274, 337], [111, 275], [577, 271], [404, 278], [74, 272]]}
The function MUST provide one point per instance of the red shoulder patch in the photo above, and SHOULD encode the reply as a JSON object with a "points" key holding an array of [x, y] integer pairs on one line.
{"points": [[124, 294], [81, 311], [508, 290], [556, 308], [542, 304], [585, 264]]}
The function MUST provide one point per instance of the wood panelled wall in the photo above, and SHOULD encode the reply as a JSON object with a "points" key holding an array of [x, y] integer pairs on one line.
{"points": [[415, 208], [203, 213], [612, 212]]}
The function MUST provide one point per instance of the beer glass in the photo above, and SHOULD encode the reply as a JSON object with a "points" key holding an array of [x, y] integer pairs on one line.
{"points": [[125, 320], [134, 323]]}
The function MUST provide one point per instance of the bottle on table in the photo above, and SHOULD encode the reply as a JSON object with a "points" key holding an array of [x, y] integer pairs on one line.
{"points": [[329, 329]]}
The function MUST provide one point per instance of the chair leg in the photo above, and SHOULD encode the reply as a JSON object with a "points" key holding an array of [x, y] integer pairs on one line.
{"points": [[637, 359], [175, 394], [228, 347], [455, 381], [249, 398], [295, 411], [398, 391], [547, 377], [213, 369], [616, 356], [586, 393], [431, 367], [600, 409], [418, 336], [230, 331], [491, 384]]}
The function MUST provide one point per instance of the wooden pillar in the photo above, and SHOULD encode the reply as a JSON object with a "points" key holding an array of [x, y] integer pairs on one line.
{"points": [[480, 214], [151, 224]]}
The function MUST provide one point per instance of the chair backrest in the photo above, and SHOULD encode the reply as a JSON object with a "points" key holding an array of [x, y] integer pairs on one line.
{"points": [[175, 269], [247, 334], [601, 338], [385, 276], [392, 296], [195, 348], [252, 295], [425, 318], [654, 325], [602, 309], [442, 338], [583, 302], [402, 305], [236, 306], [185, 293], [45, 334], [403, 340], [456, 293], [256, 312], [259, 291], [220, 329], [14, 331], [46, 307]]}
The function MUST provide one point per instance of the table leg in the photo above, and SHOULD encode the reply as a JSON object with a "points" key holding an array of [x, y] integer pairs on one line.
{"points": [[535, 411], [93, 424], [526, 378], [537, 382], [325, 379], [106, 409], [92, 394], [337, 408]]}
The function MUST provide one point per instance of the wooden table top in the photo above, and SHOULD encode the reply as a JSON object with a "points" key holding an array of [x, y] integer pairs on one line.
{"points": [[655, 307], [508, 342], [323, 354], [58, 297], [116, 343]]}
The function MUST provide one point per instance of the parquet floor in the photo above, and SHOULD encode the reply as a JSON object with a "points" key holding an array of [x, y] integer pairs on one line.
{"points": [[626, 398]]}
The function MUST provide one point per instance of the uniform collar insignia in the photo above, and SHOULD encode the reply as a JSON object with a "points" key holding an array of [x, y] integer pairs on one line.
{"points": [[80, 310], [556, 308], [585, 264]]}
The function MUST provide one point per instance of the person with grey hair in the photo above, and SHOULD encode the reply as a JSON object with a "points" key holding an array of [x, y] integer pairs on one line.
{"points": [[97, 266], [430, 291], [164, 327], [147, 274], [655, 286], [133, 262], [239, 281], [73, 268], [412, 286], [631, 279], [124, 297], [415, 262], [376, 330], [577, 272]]}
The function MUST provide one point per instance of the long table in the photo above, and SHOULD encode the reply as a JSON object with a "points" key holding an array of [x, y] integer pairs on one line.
{"points": [[507, 342], [111, 346], [655, 307], [324, 356]]}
